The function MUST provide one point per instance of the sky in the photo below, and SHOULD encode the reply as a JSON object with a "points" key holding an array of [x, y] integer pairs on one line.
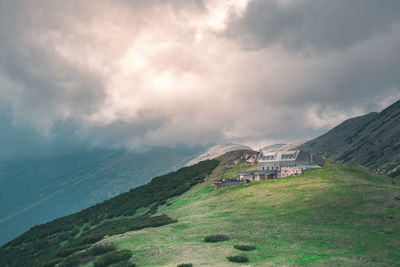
{"points": [[139, 74]]}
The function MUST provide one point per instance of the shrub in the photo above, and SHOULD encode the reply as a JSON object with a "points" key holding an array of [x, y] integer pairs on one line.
{"points": [[185, 265], [244, 247], [238, 258], [112, 257], [74, 260], [69, 261], [84, 259], [215, 238], [70, 249], [124, 264], [50, 263], [101, 248], [90, 238]]}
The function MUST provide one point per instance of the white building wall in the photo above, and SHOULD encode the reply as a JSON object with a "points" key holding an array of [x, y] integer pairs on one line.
{"points": [[289, 171]]}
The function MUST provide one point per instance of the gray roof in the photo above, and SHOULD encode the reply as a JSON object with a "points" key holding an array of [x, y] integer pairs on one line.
{"points": [[309, 166], [257, 172], [279, 156]]}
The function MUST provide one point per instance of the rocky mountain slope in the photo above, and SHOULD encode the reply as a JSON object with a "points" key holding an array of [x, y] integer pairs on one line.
{"points": [[372, 140]]}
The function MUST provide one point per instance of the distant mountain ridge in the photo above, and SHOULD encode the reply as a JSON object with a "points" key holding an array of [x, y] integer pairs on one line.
{"points": [[372, 140], [282, 147], [217, 150]]}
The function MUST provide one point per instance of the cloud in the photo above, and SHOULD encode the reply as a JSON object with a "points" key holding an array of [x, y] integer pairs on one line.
{"points": [[314, 25], [160, 73]]}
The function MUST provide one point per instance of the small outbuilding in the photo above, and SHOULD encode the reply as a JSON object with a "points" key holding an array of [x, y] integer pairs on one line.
{"points": [[224, 182]]}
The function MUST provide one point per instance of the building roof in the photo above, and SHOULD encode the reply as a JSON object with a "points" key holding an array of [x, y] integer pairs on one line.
{"points": [[262, 172], [279, 156], [309, 166]]}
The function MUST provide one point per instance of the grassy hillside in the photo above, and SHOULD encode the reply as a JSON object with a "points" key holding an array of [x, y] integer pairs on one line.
{"points": [[337, 215], [57, 241]]}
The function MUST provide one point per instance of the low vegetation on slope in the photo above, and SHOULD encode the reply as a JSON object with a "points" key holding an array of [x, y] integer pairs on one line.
{"points": [[59, 240], [337, 215], [57, 186]]}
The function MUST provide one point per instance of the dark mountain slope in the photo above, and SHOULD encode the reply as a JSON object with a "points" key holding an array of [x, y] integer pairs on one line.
{"points": [[372, 140], [35, 191], [51, 243]]}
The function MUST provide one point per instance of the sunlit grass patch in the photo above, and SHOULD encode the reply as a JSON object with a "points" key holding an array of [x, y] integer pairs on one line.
{"points": [[328, 215]]}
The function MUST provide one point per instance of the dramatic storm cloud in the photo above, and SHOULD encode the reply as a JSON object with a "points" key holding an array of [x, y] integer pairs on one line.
{"points": [[155, 73]]}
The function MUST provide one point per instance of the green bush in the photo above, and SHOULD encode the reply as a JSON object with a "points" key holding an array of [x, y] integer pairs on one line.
{"points": [[215, 238], [90, 239], [50, 263], [69, 261], [101, 248], [75, 260], [124, 264], [185, 265], [238, 258], [70, 249], [113, 257], [244, 247]]}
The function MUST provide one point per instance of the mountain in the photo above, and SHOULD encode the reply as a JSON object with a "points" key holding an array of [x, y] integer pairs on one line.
{"points": [[285, 147], [35, 191], [338, 215], [372, 140], [215, 151]]}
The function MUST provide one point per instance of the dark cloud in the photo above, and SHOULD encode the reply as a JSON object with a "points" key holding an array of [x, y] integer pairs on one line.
{"points": [[81, 74], [37, 83], [312, 24]]}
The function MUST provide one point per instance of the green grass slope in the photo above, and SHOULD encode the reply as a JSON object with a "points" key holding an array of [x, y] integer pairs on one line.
{"points": [[337, 215]]}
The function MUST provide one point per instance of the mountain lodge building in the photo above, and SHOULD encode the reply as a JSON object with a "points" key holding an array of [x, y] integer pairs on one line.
{"points": [[282, 164]]}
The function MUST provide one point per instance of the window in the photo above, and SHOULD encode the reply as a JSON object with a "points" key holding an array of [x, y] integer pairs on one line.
{"points": [[289, 156]]}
